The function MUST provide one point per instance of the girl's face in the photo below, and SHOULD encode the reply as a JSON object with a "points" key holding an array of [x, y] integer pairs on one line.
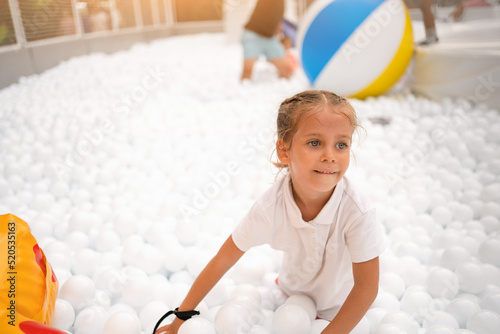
{"points": [[319, 153]]}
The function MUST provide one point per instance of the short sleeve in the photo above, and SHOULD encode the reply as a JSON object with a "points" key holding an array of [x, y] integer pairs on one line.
{"points": [[364, 238], [253, 230]]}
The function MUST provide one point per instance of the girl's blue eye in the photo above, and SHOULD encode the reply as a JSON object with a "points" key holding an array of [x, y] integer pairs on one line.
{"points": [[314, 143], [342, 145]]}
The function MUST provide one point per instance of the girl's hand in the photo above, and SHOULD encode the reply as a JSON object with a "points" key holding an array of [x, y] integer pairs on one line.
{"points": [[170, 328]]}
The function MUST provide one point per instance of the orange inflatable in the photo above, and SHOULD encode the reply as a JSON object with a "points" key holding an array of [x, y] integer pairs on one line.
{"points": [[28, 285]]}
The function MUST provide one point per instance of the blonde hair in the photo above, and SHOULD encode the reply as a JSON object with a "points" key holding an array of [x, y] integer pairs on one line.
{"points": [[293, 109]]}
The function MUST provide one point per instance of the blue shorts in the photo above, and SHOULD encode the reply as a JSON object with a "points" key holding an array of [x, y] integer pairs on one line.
{"points": [[255, 45]]}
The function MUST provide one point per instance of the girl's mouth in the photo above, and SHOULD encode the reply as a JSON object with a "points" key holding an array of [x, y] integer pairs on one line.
{"points": [[324, 172]]}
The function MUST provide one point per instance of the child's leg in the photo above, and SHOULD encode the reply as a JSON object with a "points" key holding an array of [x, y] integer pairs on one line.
{"points": [[458, 12], [276, 54], [283, 66], [429, 22], [252, 49], [248, 68]]}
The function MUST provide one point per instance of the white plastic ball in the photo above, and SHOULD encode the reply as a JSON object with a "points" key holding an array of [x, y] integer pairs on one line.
{"points": [[4, 187], [471, 278], [77, 240], [484, 322], [386, 301], [197, 261], [197, 325], [480, 236], [41, 229], [453, 256], [78, 290], [125, 223], [150, 259], [122, 323], [463, 213], [413, 272], [441, 318], [183, 277], [33, 173], [291, 319], [420, 202], [218, 294], [246, 290], [90, 320], [110, 279], [392, 283], [248, 301], [186, 232], [447, 238], [120, 307], [64, 315], [463, 331], [489, 251], [409, 248], [490, 224], [442, 283], [81, 197], [306, 303], [374, 316], [362, 327], [402, 319], [42, 201], [452, 181], [439, 329], [491, 192], [258, 329], [232, 318], [60, 189], [490, 209], [174, 257], [390, 329], [85, 262], [136, 290], [248, 270], [155, 232], [491, 302], [62, 276], [107, 240], [318, 325], [131, 247], [471, 245], [80, 221], [442, 215], [416, 303], [152, 312], [492, 274], [461, 309]]}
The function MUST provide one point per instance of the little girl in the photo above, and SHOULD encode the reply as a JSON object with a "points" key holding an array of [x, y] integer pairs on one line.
{"points": [[326, 228]]}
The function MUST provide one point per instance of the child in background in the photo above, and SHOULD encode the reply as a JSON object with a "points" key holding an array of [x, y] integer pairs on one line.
{"points": [[261, 37], [326, 228]]}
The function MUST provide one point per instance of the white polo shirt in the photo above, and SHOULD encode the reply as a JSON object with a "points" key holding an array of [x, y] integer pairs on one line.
{"points": [[318, 254]]}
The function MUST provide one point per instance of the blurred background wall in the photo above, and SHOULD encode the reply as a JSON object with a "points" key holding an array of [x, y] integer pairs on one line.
{"points": [[36, 35]]}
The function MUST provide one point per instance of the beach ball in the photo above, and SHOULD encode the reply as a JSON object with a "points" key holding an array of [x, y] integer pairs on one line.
{"points": [[355, 48]]}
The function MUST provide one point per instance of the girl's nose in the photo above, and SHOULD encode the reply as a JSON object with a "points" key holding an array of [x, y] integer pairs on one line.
{"points": [[328, 155]]}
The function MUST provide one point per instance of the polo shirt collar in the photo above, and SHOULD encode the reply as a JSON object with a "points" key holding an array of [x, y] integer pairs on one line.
{"points": [[325, 216]]}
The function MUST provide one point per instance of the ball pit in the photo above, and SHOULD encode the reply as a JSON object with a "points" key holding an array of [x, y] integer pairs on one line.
{"points": [[163, 151]]}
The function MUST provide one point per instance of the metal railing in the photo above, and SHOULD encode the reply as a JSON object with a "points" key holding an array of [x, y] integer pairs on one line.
{"points": [[28, 23]]}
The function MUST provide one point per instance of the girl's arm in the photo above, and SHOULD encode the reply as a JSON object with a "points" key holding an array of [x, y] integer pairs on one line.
{"points": [[362, 295], [227, 256]]}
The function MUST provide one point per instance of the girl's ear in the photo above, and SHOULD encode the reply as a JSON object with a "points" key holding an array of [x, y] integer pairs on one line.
{"points": [[282, 151]]}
